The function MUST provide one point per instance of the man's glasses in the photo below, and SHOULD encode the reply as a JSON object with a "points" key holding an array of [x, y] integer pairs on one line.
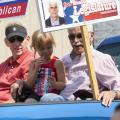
{"points": [[73, 36], [16, 38]]}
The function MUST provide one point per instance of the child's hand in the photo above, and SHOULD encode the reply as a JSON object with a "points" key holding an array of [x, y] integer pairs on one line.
{"points": [[33, 70], [52, 81], [38, 63]]}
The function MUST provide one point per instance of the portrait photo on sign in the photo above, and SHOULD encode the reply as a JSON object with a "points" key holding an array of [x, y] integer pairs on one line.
{"points": [[53, 13]]}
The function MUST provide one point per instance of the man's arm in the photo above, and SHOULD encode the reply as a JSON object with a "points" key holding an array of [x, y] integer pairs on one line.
{"points": [[109, 77]]}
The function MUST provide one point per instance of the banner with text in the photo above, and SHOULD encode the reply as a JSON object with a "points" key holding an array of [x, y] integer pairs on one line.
{"points": [[11, 8], [60, 14]]}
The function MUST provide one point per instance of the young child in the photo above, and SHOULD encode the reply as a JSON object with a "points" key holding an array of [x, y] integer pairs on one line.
{"points": [[47, 73]]}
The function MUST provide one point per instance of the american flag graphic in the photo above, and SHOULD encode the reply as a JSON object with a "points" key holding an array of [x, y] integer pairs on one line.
{"points": [[77, 11], [69, 10]]}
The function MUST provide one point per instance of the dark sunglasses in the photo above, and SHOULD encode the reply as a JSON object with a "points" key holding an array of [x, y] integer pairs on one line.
{"points": [[18, 38], [73, 36], [54, 7]]}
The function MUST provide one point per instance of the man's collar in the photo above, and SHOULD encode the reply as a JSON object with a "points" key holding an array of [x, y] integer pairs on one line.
{"points": [[73, 55], [20, 59], [55, 22], [54, 19]]}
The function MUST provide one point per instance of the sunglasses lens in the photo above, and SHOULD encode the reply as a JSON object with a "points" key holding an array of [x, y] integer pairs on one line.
{"points": [[71, 36], [11, 40], [18, 38], [79, 35]]}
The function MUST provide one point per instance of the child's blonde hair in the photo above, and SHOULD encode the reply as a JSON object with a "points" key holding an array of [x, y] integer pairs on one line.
{"points": [[39, 39]]}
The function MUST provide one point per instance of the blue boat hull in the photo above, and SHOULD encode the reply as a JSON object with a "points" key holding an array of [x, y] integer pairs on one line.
{"points": [[67, 111]]}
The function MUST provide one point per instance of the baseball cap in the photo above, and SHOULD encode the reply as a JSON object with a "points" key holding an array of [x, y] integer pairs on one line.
{"points": [[15, 30]]}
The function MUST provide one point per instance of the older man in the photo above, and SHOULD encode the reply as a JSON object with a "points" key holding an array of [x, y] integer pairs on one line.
{"points": [[15, 67], [77, 72], [54, 19]]}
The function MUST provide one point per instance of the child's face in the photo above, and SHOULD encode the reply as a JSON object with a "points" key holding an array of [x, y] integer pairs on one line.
{"points": [[45, 51]]}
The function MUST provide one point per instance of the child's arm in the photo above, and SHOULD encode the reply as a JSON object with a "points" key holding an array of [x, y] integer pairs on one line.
{"points": [[33, 69], [32, 74], [58, 84]]}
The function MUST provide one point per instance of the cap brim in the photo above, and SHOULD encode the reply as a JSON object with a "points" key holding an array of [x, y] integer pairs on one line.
{"points": [[16, 34]]}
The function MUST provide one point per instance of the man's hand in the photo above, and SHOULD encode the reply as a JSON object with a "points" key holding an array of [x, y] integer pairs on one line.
{"points": [[107, 97], [9, 101], [16, 88], [38, 63]]}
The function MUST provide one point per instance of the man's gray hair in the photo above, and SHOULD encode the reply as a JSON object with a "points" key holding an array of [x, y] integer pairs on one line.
{"points": [[53, 2], [89, 27]]}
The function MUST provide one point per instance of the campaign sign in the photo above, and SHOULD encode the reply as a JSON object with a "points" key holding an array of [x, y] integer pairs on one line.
{"points": [[10, 8], [60, 14]]}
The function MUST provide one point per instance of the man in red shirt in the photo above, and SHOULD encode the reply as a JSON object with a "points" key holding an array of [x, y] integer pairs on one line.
{"points": [[15, 67]]}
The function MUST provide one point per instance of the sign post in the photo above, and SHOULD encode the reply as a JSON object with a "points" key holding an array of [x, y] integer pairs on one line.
{"points": [[89, 59]]}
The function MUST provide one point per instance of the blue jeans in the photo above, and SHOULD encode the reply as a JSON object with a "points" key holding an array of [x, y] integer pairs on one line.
{"points": [[51, 97]]}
